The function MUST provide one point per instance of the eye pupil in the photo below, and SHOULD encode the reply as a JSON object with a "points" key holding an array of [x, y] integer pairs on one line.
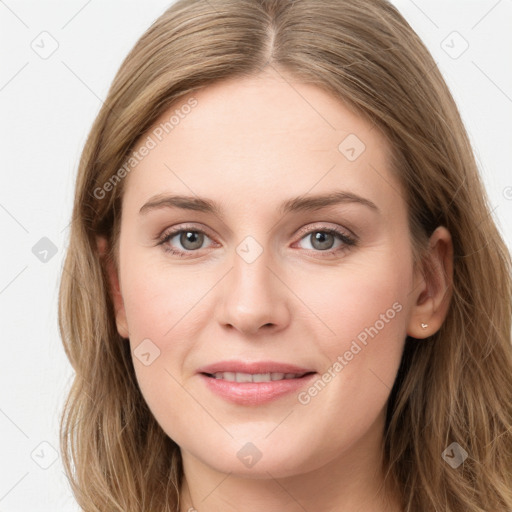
{"points": [[320, 236], [192, 240], [195, 238]]}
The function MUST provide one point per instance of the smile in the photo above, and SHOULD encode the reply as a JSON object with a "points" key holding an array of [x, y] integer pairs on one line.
{"points": [[255, 377], [255, 389]]}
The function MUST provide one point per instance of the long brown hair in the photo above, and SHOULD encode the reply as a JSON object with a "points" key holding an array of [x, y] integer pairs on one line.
{"points": [[456, 386]]}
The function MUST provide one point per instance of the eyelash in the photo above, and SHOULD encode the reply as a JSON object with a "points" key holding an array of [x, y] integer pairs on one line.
{"points": [[347, 240]]}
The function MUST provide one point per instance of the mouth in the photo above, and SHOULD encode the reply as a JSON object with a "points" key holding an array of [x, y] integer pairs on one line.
{"points": [[257, 387], [254, 383], [241, 377]]}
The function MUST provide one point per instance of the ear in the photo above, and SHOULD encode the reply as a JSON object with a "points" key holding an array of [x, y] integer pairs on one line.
{"points": [[432, 286], [115, 290]]}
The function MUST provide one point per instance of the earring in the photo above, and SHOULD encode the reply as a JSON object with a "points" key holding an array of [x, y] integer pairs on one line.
{"points": [[424, 326]]}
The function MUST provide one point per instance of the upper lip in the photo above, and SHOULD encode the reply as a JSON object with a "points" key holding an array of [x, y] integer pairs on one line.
{"points": [[252, 367]]}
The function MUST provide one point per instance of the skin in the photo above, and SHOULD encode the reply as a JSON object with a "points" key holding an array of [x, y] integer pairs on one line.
{"points": [[250, 144]]}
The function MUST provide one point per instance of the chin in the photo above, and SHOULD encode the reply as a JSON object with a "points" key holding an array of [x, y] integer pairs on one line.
{"points": [[258, 459]]}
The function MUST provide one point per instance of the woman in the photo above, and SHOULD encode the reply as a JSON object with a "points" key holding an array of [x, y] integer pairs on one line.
{"points": [[284, 289]]}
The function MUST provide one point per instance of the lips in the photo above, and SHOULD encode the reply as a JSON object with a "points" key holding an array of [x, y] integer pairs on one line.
{"points": [[254, 383], [257, 367]]}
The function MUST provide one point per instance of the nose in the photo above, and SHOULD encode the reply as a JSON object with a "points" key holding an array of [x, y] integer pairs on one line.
{"points": [[254, 297]]}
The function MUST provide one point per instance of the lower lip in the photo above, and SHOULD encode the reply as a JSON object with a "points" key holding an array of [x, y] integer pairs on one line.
{"points": [[254, 393]]}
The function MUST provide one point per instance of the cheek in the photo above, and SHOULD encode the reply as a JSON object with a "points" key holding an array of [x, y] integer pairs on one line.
{"points": [[365, 308], [166, 308], [159, 300], [353, 297], [159, 306]]}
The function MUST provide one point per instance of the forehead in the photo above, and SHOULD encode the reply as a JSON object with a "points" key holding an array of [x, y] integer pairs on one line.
{"points": [[258, 138]]}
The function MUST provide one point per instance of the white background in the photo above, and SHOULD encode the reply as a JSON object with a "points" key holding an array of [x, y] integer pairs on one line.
{"points": [[48, 106]]}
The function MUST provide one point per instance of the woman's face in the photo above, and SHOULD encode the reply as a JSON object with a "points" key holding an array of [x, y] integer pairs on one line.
{"points": [[265, 277]]}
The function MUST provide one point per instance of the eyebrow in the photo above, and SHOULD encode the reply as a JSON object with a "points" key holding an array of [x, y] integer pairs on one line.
{"points": [[301, 203]]}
